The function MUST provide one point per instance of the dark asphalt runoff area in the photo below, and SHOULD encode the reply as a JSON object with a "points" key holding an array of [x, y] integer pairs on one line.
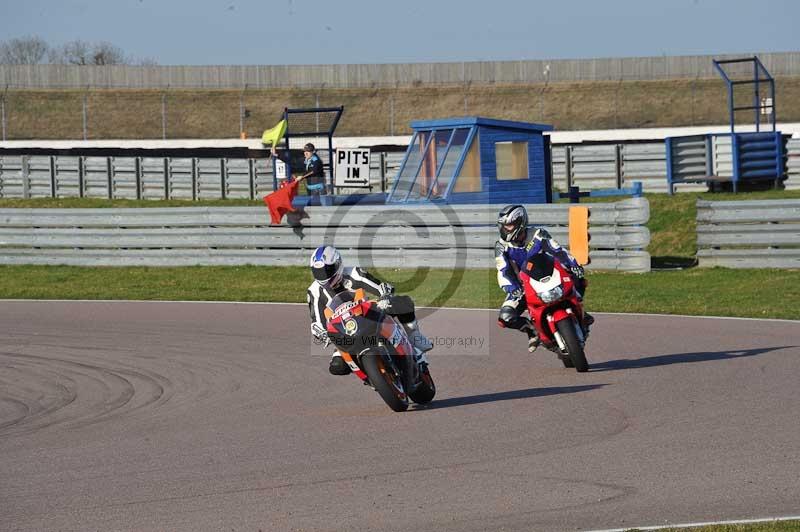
{"points": [[208, 417]]}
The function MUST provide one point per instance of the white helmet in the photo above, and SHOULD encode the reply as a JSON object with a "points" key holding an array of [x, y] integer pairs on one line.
{"points": [[326, 266]]}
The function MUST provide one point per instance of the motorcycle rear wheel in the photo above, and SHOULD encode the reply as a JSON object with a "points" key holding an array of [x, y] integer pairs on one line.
{"points": [[386, 383], [566, 328]]}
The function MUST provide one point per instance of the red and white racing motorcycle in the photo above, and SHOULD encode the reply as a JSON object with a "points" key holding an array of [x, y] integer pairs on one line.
{"points": [[378, 350], [555, 308]]}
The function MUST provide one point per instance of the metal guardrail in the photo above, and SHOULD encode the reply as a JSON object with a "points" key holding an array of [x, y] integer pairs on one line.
{"points": [[434, 236], [588, 166], [354, 75], [613, 165], [46, 176], [749, 234]]}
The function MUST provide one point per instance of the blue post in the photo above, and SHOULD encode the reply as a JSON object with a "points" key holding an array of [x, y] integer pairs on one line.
{"points": [[735, 160]]}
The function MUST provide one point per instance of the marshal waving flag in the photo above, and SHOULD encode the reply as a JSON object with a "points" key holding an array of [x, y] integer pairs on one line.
{"points": [[280, 202]]}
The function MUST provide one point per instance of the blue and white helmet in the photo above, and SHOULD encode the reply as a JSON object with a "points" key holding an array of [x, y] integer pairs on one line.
{"points": [[326, 266]]}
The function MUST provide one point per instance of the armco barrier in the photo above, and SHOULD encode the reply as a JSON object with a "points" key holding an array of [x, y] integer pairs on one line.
{"points": [[434, 236], [749, 234]]}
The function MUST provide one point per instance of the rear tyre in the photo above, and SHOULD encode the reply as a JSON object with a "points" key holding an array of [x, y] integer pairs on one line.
{"points": [[425, 390], [566, 328], [386, 383]]}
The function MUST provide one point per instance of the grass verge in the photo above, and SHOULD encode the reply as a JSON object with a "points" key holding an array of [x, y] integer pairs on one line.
{"points": [[769, 526], [713, 292]]}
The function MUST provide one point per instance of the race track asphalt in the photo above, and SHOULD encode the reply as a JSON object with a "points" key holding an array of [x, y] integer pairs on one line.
{"points": [[192, 417]]}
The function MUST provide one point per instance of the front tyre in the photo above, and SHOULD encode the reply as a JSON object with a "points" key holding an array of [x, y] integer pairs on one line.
{"points": [[425, 390], [385, 382], [566, 328]]}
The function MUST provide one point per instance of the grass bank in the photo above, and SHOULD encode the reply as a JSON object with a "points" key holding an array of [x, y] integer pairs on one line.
{"points": [[142, 114]]}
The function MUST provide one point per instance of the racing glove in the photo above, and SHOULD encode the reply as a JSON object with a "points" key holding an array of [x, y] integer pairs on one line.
{"points": [[385, 290], [577, 271], [320, 334]]}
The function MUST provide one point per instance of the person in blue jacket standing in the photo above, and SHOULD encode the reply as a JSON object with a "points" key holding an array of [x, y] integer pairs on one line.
{"points": [[314, 174]]}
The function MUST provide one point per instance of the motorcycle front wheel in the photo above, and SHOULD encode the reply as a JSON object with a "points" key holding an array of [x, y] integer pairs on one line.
{"points": [[425, 390], [566, 328], [383, 379]]}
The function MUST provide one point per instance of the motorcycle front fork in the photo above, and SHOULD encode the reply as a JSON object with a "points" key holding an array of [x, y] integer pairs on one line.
{"points": [[578, 330]]}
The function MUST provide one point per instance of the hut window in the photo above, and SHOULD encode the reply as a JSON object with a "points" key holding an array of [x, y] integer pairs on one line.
{"points": [[511, 159]]}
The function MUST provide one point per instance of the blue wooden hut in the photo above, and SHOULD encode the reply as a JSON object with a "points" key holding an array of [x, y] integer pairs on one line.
{"points": [[475, 160]]}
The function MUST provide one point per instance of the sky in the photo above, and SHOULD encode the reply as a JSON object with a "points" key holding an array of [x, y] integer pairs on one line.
{"points": [[273, 32]]}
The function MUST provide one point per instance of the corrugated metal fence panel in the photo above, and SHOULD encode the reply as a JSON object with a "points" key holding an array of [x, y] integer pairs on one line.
{"points": [[263, 176], [594, 166], [153, 175], [722, 155], [181, 178], [749, 234], [558, 158], [645, 162], [689, 157], [370, 75], [123, 178], [67, 177], [95, 177], [237, 178], [209, 178], [39, 172], [11, 176], [793, 164], [196, 235]]}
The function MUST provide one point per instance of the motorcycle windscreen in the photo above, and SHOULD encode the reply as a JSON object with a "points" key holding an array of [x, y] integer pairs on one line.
{"points": [[539, 266]]}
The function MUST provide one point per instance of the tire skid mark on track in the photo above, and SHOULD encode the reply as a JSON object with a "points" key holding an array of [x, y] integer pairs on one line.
{"points": [[102, 393]]}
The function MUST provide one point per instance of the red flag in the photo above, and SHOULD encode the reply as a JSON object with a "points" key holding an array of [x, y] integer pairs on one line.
{"points": [[280, 201]]}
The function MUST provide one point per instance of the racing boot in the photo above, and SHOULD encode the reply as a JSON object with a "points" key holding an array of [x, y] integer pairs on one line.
{"points": [[533, 338], [418, 340], [338, 366], [588, 320]]}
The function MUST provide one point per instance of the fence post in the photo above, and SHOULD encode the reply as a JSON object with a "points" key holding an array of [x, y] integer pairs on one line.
{"points": [[391, 114], [223, 177], [137, 164], [81, 176], [167, 177], [194, 178], [241, 111], [85, 113], [251, 171], [618, 164], [53, 181], [3, 107], [164, 115], [568, 165], [25, 177], [110, 176], [383, 172]]}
